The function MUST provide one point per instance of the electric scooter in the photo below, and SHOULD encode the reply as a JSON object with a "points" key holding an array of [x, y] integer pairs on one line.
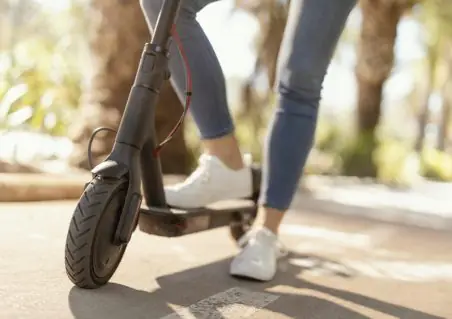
{"points": [[110, 208]]}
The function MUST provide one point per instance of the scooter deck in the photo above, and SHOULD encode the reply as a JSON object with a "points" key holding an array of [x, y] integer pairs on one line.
{"points": [[174, 222]]}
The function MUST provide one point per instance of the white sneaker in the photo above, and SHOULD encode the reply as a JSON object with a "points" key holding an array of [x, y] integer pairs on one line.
{"points": [[211, 182], [258, 258]]}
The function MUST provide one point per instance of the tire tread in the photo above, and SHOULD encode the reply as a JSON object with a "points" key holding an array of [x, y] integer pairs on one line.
{"points": [[82, 229]]}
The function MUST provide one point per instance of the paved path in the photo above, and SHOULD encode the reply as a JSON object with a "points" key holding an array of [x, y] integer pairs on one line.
{"points": [[426, 204], [339, 267]]}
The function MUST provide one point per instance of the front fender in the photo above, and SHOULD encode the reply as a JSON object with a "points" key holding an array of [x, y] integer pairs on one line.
{"points": [[110, 168]]}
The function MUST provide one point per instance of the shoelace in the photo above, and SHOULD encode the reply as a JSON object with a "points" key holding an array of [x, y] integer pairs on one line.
{"points": [[250, 238], [202, 173]]}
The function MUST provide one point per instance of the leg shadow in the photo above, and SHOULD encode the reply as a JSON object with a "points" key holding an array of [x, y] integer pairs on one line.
{"points": [[188, 287]]}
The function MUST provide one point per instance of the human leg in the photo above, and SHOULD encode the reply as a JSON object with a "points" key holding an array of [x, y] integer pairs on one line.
{"points": [[312, 31], [222, 160]]}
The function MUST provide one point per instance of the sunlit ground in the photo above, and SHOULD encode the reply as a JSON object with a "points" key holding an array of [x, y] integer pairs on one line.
{"points": [[379, 262]]}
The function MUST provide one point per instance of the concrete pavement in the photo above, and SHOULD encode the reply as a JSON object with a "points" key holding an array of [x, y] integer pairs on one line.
{"points": [[339, 267], [425, 204]]}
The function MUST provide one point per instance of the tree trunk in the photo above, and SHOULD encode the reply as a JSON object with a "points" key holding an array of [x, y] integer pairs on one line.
{"points": [[375, 61], [369, 106], [375, 57], [424, 114], [443, 133], [443, 136], [444, 128], [423, 119], [117, 37], [271, 16]]}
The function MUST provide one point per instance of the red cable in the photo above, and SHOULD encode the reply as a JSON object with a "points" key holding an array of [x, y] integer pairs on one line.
{"points": [[188, 93]]}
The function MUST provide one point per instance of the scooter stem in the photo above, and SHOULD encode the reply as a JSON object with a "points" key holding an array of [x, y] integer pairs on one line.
{"points": [[136, 138]]}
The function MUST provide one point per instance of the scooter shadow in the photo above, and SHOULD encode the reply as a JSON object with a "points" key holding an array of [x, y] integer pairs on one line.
{"points": [[182, 289]]}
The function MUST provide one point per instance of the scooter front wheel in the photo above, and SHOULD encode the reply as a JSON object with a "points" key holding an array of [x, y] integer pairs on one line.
{"points": [[91, 257]]}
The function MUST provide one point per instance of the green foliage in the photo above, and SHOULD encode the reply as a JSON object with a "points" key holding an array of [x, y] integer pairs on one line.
{"points": [[41, 69], [330, 136], [193, 142], [436, 165], [397, 164], [436, 17], [251, 139], [39, 91], [358, 156], [392, 161]]}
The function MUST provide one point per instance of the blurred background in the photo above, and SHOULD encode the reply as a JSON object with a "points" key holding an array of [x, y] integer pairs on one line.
{"points": [[373, 214], [67, 67]]}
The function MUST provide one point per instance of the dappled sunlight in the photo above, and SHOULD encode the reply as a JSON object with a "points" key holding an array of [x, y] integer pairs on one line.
{"points": [[370, 252], [401, 270], [416, 271], [328, 235], [367, 234]]}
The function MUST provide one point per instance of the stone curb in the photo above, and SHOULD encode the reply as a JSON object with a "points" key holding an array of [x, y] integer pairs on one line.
{"points": [[47, 187], [40, 187]]}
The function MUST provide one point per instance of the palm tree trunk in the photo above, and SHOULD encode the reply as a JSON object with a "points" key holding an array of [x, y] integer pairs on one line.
{"points": [[444, 128], [443, 133], [374, 65], [117, 38], [443, 136], [423, 119], [424, 114], [375, 58]]}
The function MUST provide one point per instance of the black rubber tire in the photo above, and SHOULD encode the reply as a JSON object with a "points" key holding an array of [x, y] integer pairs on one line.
{"points": [[100, 198]]}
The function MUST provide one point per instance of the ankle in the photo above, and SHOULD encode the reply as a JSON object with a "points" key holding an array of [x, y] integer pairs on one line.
{"points": [[232, 162], [226, 149], [271, 219]]}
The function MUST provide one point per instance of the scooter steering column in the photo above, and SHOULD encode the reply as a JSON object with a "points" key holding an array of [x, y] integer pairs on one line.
{"points": [[136, 136]]}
